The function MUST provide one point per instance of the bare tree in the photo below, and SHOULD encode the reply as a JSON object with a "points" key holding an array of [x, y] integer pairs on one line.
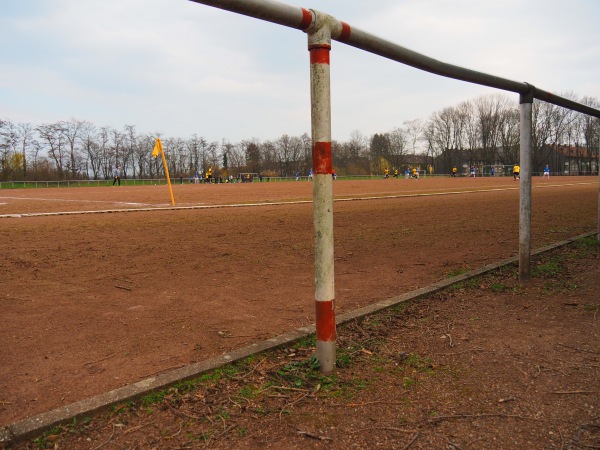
{"points": [[196, 151], [439, 136], [8, 144], [143, 151], [116, 148], [399, 143], [53, 136], [489, 117], [128, 151], [590, 127], [89, 143], [70, 131], [252, 156], [105, 152], [25, 132], [508, 154], [269, 157], [286, 150], [413, 132]]}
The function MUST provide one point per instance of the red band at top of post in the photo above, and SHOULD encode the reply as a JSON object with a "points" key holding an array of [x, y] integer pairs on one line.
{"points": [[325, 316], [319, 54], [322, 158], [306, 19]]}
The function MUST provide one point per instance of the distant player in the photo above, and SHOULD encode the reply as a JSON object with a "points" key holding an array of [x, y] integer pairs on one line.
{"points": [[472, 172], [396, 173], [454, 170], [516, 172], [116, 177], [386, 174], [546, 172]]}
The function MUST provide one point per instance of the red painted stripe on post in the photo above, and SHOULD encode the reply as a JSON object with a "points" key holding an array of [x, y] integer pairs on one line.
{"points": [[319, 55], [322, 158], [346, 32], [325, 321], [306, 19]]}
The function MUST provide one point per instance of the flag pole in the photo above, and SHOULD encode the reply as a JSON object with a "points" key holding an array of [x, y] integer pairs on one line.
{"points": [[159, 149]]}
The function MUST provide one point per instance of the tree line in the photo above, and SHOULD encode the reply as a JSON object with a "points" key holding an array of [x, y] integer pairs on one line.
{"points": [[482, 131]]}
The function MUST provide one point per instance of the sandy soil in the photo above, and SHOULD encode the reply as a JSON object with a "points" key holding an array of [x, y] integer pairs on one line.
{"points": [[92, 302]]}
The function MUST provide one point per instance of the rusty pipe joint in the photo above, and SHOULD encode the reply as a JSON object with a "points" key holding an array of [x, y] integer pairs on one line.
{"points": [[322, 29]]}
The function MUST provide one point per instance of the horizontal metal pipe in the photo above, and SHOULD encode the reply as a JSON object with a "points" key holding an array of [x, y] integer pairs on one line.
{"points": [[565, 102], [269, 10], [373, 44], [300, 18]]}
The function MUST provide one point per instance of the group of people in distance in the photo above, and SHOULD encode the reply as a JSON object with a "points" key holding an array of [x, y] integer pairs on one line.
{"points": [[208, 176], [408, 173], [516, 172]]}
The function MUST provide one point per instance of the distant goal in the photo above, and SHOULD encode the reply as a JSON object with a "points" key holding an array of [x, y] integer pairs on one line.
{"points": [[247, 177]]}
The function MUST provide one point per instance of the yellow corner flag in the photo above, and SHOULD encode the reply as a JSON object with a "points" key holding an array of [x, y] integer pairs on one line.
{"points": [[159, 149]]}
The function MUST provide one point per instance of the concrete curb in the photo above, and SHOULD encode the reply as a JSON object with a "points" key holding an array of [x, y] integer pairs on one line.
{"points": [[36, 425]]}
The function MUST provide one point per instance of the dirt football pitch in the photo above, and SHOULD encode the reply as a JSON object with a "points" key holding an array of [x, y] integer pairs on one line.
{"points": [[105, 286]]}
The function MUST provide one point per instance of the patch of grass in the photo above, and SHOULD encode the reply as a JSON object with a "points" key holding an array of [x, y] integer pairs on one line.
{"points": [[592, 307], [457, 272], [419, 363], [122, 407], [408, 382], [372, 322], [47, 440], [471, 283], [587, 246], [153, 397], [401, 307], [344, 358], [547, 269], [300, 373], [248, 392], [498, 287], [347, 389], [223, 414], [306, 342]]}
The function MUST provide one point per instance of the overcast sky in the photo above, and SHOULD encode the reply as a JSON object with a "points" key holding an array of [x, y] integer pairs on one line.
{"points": [[180, 68]]}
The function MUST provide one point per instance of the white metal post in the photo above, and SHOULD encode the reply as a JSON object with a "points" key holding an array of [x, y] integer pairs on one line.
{"points": [[525, 108], [319, 45]]}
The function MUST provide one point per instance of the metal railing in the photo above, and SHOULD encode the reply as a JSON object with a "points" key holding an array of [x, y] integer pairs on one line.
{"points": [[321, 29]]}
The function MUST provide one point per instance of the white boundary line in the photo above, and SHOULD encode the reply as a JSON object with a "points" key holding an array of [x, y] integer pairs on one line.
{"points": [[2, 197], [297, 202]]}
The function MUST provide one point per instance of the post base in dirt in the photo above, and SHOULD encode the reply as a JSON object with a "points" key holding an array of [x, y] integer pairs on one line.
{"points": [[326, 356], [524, 265]]}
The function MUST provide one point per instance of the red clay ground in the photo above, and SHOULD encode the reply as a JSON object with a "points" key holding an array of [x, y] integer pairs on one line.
{"points": [[488, 363], [93, 302]]}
